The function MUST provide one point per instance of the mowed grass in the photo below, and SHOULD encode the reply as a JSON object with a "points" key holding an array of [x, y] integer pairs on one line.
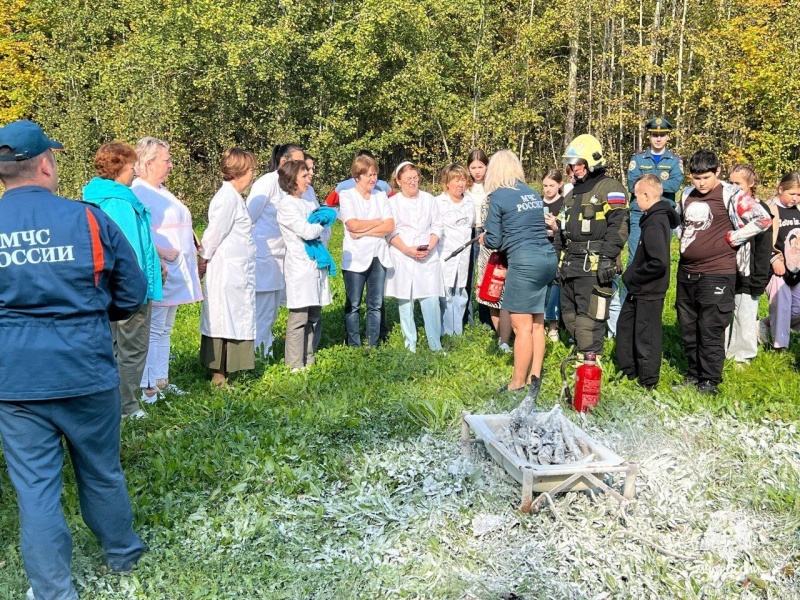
{"points": [[230, 488]]}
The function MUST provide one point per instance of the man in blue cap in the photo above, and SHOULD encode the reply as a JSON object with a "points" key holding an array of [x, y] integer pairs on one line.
{"points": [[65, 271], [656, 160]]}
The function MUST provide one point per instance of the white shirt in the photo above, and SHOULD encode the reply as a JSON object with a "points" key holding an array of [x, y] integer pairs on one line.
{"points": [[479, 201], [357, 254], [230, 284], [457, 221], [262, 204], [172, 228], [415, 219]]}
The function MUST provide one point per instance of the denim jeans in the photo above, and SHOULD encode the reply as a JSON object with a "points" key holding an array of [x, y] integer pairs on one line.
{"points": [[552, 304], [374, 278], [431, 314]]}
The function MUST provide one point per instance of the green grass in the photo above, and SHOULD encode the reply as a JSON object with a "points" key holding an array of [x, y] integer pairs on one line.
{"points": [[300, 486]]}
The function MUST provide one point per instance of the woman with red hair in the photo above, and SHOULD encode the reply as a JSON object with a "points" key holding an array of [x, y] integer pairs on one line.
{"points": [[111, 191]]}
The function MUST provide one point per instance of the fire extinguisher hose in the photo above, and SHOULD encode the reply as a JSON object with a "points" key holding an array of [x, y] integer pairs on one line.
{"points": [[564, 384]]}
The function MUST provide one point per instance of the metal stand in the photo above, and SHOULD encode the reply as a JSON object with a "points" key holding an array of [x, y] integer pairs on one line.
{"points": [[630, 469], [591, 475]]}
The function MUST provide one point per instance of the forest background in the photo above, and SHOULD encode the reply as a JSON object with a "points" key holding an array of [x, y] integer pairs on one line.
{"points": [[426, 80]]}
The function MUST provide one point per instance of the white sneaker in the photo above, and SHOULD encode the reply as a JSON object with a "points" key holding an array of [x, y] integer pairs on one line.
{"points": [[139, 414], [504, 348], [174, 390], [152, 399], [29, 594]]}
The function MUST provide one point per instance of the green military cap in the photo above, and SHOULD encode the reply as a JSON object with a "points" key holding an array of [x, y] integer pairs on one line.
{"points": [[659, 125]]}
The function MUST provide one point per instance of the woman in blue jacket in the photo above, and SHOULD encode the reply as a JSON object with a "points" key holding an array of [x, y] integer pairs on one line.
{"points": [[111, 191], [517, 225]]}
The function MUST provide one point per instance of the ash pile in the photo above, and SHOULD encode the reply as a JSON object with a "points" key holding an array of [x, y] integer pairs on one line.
{"points": [[548, 439]]}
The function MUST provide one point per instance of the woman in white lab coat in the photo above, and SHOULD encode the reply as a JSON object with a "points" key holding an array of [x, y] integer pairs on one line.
{"points": [[173, 236], [458, 217], [306, 284], [227, 319], [415, 255], [262, 204]]}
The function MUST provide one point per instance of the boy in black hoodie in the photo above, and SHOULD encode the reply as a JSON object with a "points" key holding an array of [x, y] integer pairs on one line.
{"points": [[647, 281]]}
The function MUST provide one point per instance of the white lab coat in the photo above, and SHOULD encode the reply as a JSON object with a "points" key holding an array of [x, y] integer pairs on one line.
{"points": [[457, 221], [357, 254], [310, 196], [262, 204], [230, 284], [306, 285], [415, 219], [171, 226]]}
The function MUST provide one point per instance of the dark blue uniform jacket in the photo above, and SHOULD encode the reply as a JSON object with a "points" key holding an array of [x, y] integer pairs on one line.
{"points": [[65, 270]]}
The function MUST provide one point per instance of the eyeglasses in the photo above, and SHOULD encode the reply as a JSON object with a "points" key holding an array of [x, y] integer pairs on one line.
{"points": [[410, 180]]}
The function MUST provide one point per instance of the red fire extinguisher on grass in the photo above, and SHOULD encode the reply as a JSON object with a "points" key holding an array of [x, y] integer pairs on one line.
{"points": [[490, 288], [587, 382]]}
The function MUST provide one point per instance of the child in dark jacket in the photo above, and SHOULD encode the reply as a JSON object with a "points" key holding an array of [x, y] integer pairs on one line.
{"points": [[647, 281]]}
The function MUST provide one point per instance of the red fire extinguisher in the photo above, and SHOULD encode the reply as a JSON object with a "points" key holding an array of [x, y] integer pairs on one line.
{"points": [[587, 382], [490, 288]]}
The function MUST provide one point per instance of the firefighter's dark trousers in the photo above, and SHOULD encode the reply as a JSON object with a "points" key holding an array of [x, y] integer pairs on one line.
{"points": [[584, 309]]}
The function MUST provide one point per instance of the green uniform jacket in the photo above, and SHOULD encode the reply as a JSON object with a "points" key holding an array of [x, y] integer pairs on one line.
{"points": [[669, 170], [595, 211]]}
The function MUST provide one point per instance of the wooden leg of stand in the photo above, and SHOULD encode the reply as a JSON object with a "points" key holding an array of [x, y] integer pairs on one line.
{"points": [[527, 491], [629, 491], [465, 441]]}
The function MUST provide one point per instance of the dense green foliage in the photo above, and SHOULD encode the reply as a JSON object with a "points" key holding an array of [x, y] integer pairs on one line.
{"points": [[426, 80]]}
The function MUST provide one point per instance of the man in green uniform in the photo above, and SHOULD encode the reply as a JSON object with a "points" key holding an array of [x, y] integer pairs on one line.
{"points": [[656, 160], [592, 234]]}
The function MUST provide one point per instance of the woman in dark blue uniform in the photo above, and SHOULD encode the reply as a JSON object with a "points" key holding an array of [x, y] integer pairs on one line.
{"points": [[517, 225]]}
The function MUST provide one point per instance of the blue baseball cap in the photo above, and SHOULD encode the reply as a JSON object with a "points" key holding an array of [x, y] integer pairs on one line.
{"points": [[26, 140]]}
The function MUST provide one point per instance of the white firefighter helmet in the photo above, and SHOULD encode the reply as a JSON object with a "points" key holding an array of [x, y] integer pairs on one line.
{"points": [[585, 148]]}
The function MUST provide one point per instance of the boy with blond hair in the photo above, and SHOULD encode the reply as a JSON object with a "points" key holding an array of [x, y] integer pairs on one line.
{"points": [[647, 281]]}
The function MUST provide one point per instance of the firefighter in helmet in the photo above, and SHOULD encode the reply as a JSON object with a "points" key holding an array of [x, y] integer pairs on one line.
{"points": [[594, 229]]}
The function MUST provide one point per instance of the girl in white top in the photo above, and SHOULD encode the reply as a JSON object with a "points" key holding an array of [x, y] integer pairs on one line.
{"points": [[367, 219], [307, 288], [174, 239], [227, 319], [477, 163], [262, 204], [458, 216], [415, 256]]}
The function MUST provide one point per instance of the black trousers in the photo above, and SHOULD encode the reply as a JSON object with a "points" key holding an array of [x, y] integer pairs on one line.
{"points": [[639, 339], [586, 328], [704, 304]]}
